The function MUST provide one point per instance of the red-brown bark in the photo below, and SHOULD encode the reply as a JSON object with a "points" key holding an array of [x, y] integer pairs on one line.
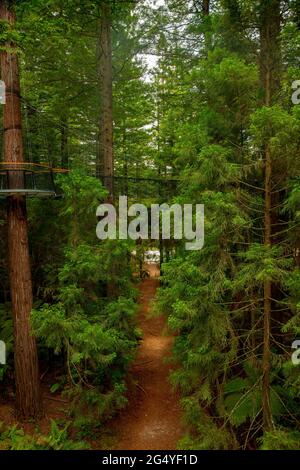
{"points": [[28, 399]]}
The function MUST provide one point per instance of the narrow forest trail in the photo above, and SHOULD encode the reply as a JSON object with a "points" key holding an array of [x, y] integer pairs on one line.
{"points": [[152, 419]]}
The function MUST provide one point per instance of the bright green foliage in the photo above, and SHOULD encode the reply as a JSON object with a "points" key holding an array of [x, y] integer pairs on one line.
{"points": [[214, 298], [86, 335], [198, 116], [58, 438], [281, 440], [95, 334]]}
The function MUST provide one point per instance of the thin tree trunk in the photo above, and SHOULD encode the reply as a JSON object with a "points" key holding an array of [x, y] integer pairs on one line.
{"points": [[105, 162], [267, 412], [296, 13], [105, 154], [64, 143], [205, 7], [28, 398], [125, 165], [270, 78]]}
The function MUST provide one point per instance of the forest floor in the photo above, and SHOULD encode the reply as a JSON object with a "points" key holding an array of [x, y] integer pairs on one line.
{"points": [[152, 419]]}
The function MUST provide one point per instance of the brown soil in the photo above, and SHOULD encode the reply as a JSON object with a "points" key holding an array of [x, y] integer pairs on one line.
{"points": [[152, 420], [55, 409]]}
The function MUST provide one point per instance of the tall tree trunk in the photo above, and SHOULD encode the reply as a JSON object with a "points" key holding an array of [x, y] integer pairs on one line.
{"points": [[64, 142], [296, 13], [28, 398], [267, 413], [205, 7], [270, 78], [207, 34], [105, 162], [125, 165]]}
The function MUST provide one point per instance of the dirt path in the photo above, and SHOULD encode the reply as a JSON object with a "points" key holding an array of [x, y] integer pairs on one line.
{"points": [[152, 420]]}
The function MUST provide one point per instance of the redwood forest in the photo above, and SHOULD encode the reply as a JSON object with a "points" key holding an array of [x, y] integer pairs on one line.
{"points": [[150, 227]]}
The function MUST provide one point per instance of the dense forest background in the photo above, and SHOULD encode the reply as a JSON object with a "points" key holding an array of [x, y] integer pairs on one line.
{"points": [[201, 96]]}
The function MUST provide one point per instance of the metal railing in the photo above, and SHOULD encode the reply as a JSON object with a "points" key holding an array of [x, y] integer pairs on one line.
{"points": [[141, 188], [27, 179]]}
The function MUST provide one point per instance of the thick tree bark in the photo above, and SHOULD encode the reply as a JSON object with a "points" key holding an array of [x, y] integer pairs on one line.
{"points": [[28, 398], [105, 162], [270, 77]]}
